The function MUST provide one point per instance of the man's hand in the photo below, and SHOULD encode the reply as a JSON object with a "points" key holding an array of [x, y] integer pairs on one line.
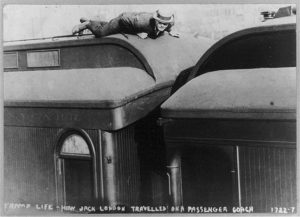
{"points": [[75, 30], [174, 34], [80, 27], [142, 35]]}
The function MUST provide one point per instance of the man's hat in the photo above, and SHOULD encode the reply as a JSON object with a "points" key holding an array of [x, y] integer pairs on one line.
{"points": [[163, 17]]}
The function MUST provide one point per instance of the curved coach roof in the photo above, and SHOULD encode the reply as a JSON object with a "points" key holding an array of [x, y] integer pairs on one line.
{"points": [[163, 58], [77, 87], [275, 47], [266, 93], [106, 96]]}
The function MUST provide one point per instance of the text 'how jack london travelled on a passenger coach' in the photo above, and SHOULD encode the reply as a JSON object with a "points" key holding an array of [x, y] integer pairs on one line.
{"points": [[136, 209]]}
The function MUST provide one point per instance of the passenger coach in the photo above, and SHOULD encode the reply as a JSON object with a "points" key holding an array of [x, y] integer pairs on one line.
{"points": [[80, 118], [230, 126]]}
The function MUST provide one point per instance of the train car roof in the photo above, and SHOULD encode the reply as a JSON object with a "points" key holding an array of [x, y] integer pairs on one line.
{"points": [[264, 93], [106, 87], [107, 98], [270, 31], [163, 57]]}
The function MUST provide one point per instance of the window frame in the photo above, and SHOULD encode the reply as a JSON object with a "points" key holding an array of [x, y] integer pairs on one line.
{"points": [[44, 50], [75, 155], [17, 60], [59, 160]]}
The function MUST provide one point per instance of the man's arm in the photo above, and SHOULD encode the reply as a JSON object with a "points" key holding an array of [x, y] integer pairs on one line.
{"points": [[169, 27], [142, 35], [172, 32]]}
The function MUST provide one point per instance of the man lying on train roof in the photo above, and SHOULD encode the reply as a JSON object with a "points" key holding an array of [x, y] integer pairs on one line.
{"points": [[144, 24]]}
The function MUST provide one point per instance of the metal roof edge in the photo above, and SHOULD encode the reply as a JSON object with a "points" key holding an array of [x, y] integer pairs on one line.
{"points": [[101, 104], [263, 114]]}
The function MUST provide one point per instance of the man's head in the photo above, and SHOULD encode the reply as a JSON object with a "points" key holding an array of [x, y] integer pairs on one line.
{"points": [[162, 19]]}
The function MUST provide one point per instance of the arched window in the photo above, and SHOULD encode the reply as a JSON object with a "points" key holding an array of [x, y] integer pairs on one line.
{"points": [[75, 144], [75, 163]]}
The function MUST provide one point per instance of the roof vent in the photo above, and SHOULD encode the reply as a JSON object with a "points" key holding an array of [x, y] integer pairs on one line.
{"points": [[282, 12]]}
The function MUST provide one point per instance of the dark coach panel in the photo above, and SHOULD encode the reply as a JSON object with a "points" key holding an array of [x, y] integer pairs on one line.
{"points": [[231, 139], [230, 126], [80, 118]]}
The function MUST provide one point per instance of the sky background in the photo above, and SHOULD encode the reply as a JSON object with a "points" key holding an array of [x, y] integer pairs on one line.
{"points": [[213, 21]]}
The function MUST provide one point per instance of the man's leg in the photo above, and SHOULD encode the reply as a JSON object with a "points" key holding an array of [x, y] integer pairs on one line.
{"points": [[97, 27], [101, 29]]}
